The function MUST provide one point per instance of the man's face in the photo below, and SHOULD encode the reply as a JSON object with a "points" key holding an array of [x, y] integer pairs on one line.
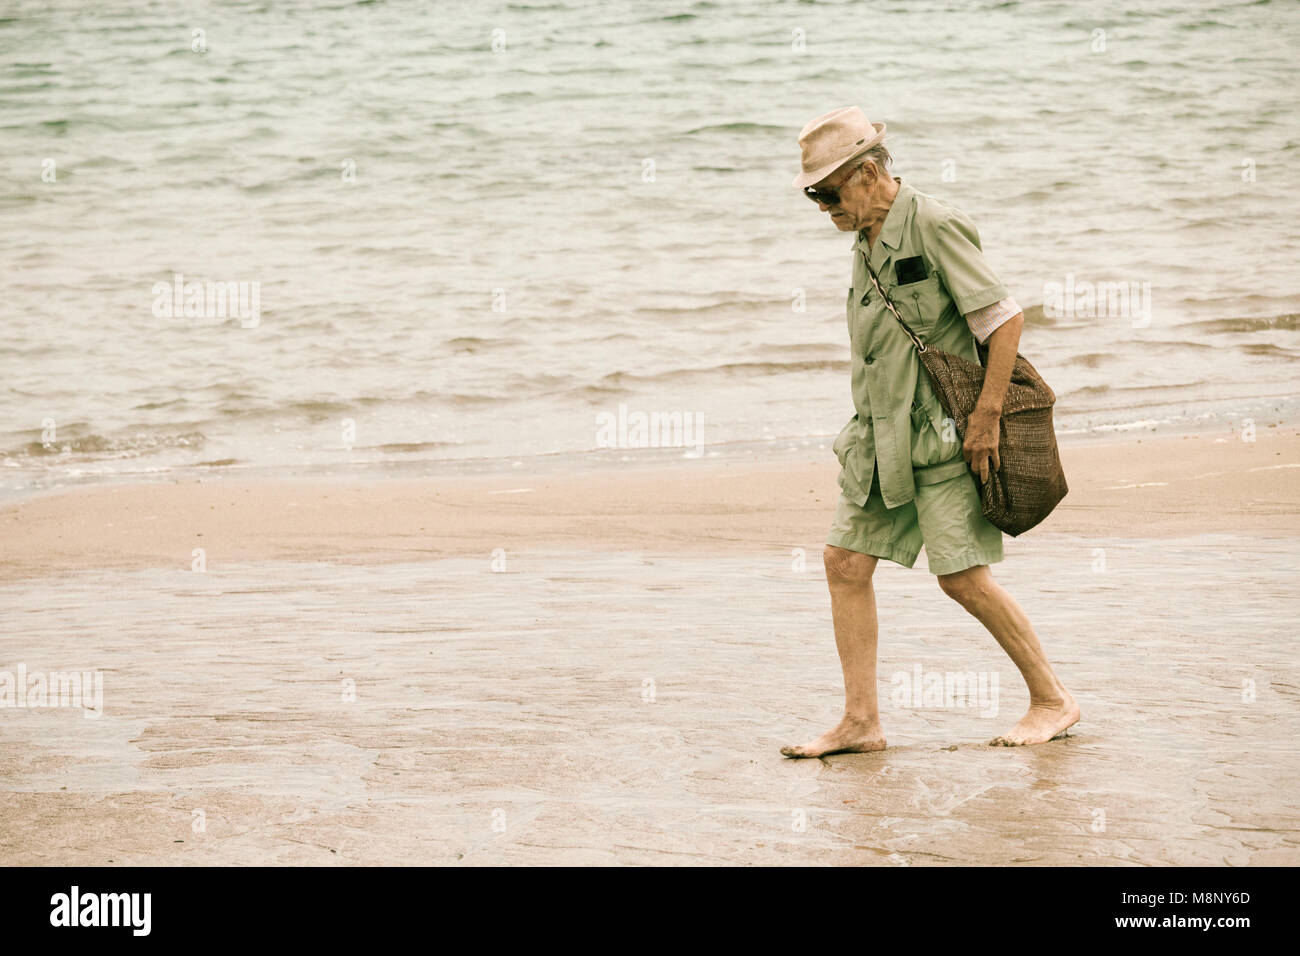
{"points": [[854, 188]]}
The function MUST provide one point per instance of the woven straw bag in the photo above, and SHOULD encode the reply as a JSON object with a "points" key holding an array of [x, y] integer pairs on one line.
{"points": [[1029, 481]]}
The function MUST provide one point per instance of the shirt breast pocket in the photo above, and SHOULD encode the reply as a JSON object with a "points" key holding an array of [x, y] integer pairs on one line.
{"points": [[922, 304]]}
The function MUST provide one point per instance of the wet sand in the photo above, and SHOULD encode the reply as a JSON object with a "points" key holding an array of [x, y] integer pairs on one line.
{"points": [[350, 681]]}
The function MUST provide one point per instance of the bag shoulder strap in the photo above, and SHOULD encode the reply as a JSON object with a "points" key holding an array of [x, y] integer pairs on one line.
{"points": [[889, 303], [981, 349]]}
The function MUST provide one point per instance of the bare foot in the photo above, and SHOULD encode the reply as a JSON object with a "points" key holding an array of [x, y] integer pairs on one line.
{"points": [[848, 736], [1042, 723]]}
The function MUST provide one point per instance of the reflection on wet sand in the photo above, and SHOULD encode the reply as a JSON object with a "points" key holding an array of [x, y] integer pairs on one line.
{"points": [[583, 707]]}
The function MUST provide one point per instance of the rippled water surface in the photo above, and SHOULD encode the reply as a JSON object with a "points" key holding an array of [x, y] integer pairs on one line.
{"points": [[466, 254]]}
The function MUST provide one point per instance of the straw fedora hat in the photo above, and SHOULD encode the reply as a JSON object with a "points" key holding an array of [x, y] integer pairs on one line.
{"points": [[832, 139]]}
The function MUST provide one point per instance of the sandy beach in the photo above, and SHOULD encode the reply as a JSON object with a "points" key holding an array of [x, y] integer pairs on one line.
{"points": [[359, 675], [1152, 487], [417, 425]]}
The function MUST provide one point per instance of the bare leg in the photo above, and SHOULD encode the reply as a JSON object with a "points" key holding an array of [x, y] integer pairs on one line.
{"points": [[1051, 708], [853, 610]]}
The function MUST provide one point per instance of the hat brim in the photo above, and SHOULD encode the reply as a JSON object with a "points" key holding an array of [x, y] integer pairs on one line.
{"points": [[803, 180]]}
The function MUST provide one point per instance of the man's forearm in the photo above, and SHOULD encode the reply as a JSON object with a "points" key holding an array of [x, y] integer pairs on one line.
{"points": [[1003, 344]]}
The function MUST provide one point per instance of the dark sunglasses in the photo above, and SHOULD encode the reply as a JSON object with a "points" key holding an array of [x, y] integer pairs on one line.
{"points": [[831, 196]]}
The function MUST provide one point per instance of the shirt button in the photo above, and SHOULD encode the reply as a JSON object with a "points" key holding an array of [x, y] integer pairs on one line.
{"points": [[869, 360]]}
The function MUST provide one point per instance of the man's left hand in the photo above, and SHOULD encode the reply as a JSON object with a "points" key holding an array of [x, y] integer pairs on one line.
{"points": [[981, 444]]}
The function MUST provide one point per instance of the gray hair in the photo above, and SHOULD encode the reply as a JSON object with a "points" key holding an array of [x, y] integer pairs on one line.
{"points": [[879, 157]]}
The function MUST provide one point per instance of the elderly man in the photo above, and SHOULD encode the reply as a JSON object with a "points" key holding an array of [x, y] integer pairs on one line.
{"points": [[905, 479]]}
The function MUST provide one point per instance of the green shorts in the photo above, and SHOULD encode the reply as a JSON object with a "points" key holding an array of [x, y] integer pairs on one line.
{"points": [[946, 517]]}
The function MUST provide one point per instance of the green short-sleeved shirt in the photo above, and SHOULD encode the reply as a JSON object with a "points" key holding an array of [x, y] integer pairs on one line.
{"points": [[928, 258]]}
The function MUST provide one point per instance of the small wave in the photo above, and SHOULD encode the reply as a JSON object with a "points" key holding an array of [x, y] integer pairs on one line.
{"points": [[410, 447], [1089, 390], [1087, 360], [464, 399], [737, 128], [736, 305], [1128, 389], [1289, 322], [1266, 348], [313, 410], [101, 446], [473, 343], [825, 350], [617, 380]]}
